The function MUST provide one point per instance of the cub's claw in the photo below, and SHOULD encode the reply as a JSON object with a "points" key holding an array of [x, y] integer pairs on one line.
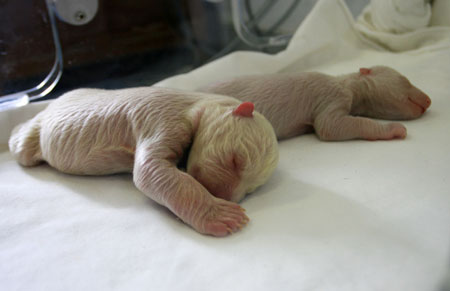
{"points": [[221, 218], [397, 131]]}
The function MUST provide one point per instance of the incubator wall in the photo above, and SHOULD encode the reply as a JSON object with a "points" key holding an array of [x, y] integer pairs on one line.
{"points": [[48, 47]]}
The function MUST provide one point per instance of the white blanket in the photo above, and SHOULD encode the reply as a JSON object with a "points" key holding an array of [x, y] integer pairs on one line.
{"points": [[354, 215], [398, 16], [401, 25]]}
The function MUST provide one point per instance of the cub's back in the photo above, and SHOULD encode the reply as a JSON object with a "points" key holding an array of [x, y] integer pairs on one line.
{"points": [[88, 123]]}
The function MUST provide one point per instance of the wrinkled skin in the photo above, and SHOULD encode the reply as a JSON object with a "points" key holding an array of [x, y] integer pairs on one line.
{"points": [[336, 108], [225, 171], [146, 131]]}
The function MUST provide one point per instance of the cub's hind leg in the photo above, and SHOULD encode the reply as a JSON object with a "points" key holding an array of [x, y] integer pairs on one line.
{"points": [[24, 143]]}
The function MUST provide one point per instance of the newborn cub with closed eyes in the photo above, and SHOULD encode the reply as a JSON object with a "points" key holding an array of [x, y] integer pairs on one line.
{"points": [[146, 131], [233, 149], [334, 107]]}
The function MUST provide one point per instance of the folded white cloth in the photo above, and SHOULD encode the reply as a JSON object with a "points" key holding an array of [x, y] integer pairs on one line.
{"points": [[398, 16], [402, 25]]}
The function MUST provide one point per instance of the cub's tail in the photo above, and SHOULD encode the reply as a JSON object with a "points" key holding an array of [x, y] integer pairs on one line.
{"points": [[24, 143]]}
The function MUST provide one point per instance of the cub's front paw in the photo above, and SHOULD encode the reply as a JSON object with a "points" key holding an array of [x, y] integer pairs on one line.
{"points": [[221, 218], [396, 131], [388, 132]]}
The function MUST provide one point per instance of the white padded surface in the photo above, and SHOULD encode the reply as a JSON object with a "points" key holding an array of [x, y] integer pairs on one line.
{"points": [[353, 215]]}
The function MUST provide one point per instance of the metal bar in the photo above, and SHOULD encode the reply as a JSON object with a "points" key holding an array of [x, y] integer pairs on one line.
{"points": [[24, 97]]}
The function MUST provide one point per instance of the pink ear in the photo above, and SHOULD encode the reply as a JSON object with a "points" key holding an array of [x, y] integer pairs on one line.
{"points": [[365, 71], [244, 109]]}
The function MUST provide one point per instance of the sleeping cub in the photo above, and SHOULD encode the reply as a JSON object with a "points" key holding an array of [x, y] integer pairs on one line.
{"points": [[146, 131], [335, 107]]}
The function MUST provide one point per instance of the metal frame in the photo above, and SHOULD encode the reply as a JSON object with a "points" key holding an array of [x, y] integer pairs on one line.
{"points": [[245, 34], [24, 97]]}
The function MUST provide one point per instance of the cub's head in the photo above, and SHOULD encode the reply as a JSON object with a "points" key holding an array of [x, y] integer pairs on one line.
{"points": [[392, 96], [234, 151]]}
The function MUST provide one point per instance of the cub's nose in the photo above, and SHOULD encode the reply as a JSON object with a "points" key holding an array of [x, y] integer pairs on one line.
{"points": [[421, 100], [427, 101]]}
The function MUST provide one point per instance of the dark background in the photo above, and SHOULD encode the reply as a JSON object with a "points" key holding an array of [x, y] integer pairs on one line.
{"points": [[128, 43]]}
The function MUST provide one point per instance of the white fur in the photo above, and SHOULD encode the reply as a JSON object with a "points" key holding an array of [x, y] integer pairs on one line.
{"points": [[216, 141], [332, 106], [146, 131]]}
